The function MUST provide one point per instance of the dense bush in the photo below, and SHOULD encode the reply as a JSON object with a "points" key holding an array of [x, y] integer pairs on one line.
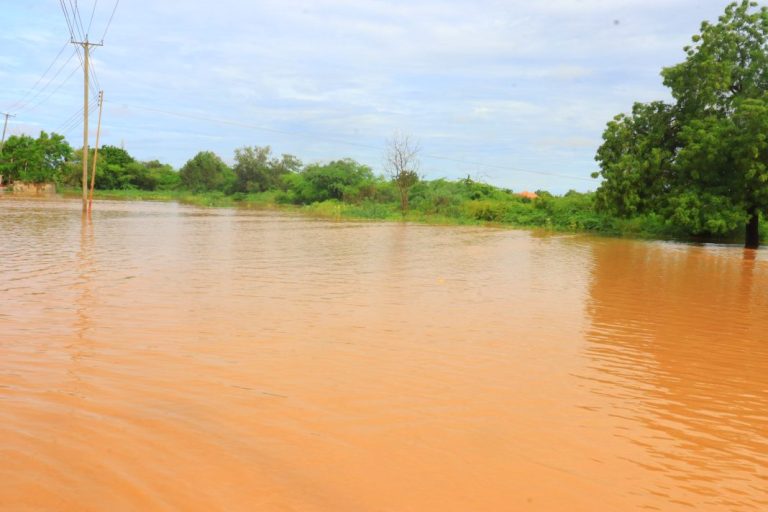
{"points": [[34, 160], [257, 171], [341, 180], [207, 172]]}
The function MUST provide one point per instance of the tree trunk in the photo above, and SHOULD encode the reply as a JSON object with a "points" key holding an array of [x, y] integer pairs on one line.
{"points": [[752, 238]]}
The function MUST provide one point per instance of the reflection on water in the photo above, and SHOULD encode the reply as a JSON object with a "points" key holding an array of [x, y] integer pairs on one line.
{"points": [[679, 352], [164, 357]]}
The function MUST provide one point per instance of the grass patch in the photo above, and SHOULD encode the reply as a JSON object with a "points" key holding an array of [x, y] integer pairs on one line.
{"points": [[573, 212]]}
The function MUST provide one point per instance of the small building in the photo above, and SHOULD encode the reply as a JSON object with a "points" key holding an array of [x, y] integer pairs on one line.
{"points": [[528, 195]]}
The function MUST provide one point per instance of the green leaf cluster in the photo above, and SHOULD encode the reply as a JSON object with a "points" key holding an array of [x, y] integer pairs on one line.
{"points": [[700, 162], [341, 179], [116, 169], [34, 160], [206, 172], [257, 171]]}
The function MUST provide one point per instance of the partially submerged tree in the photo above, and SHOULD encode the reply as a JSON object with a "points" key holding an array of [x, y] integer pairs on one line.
{"points": [[402, 165], [701, 162]]}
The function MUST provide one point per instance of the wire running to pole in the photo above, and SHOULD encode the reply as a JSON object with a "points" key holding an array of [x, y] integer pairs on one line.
{"points": [[77, 21], [54, 91], [25, 105], [68, 121], [66, 19], [75, 119], [93, 11], [93, 87], [117, 2], [21, 100]]}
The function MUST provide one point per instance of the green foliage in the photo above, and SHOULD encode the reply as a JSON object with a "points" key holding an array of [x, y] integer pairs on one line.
{"points": [[257, 171], [115, 155], [163, 176], [704, 213], [116, 169], [702, 162], [34, 160], [635, 157], [727, 61], [206, 172], [445, 197], [341, 179]]}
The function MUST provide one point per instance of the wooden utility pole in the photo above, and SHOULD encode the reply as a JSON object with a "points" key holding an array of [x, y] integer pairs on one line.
{"points": [[87, 51], [5, 126], [96, 152]]}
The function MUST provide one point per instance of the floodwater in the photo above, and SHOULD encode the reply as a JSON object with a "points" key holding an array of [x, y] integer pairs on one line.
{"points": [[167, 357]]}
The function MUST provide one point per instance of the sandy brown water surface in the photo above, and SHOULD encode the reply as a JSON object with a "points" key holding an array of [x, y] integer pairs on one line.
{"points": [[166, 357]]}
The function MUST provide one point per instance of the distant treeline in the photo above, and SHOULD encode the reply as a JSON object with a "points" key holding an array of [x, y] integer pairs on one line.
{"points": [[343, 188]]}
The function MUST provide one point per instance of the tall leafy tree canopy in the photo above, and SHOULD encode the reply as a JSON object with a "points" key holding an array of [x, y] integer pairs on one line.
{"points": [[35, 160], [257, 170], [701, 161], [340, 179], [206, 171]]}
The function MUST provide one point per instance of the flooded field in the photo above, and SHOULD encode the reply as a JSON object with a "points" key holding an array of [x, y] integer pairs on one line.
{"points": [[166, 357]]}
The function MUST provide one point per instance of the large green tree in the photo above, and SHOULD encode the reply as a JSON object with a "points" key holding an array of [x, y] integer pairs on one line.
{"points": [[257, 170], [340, 179], [34, 160], [206, 172], [701, 161], [116, 169]]}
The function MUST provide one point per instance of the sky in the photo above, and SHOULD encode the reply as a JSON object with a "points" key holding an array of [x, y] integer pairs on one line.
{"points": [[513, 93]]}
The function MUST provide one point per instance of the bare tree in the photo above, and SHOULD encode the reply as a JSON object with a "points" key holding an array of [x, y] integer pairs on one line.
{"points": [[402, 165]]}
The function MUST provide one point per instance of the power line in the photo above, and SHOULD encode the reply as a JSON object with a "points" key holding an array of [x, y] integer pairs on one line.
{"points": [[72, 17], [21, 100], [66, 19], [92, 73], [25, 104], [75, 119], [76, 123], [70, 11], [53, 91], [345, 142], [95, 79], [93, 11], [77, 21], [117, 2], [70, 24], [75, 32], [71, 119], [80, 18], [72, 125]]}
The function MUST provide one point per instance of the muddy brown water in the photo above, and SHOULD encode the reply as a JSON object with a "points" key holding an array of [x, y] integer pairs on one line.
{"points": [[167, 357]]}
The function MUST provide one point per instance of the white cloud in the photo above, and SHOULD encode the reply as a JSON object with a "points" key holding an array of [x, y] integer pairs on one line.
{"points": [[493, 81]]}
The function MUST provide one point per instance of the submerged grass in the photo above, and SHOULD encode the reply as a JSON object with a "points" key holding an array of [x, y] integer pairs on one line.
{"points": [[208, 199], [573, 212]]}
